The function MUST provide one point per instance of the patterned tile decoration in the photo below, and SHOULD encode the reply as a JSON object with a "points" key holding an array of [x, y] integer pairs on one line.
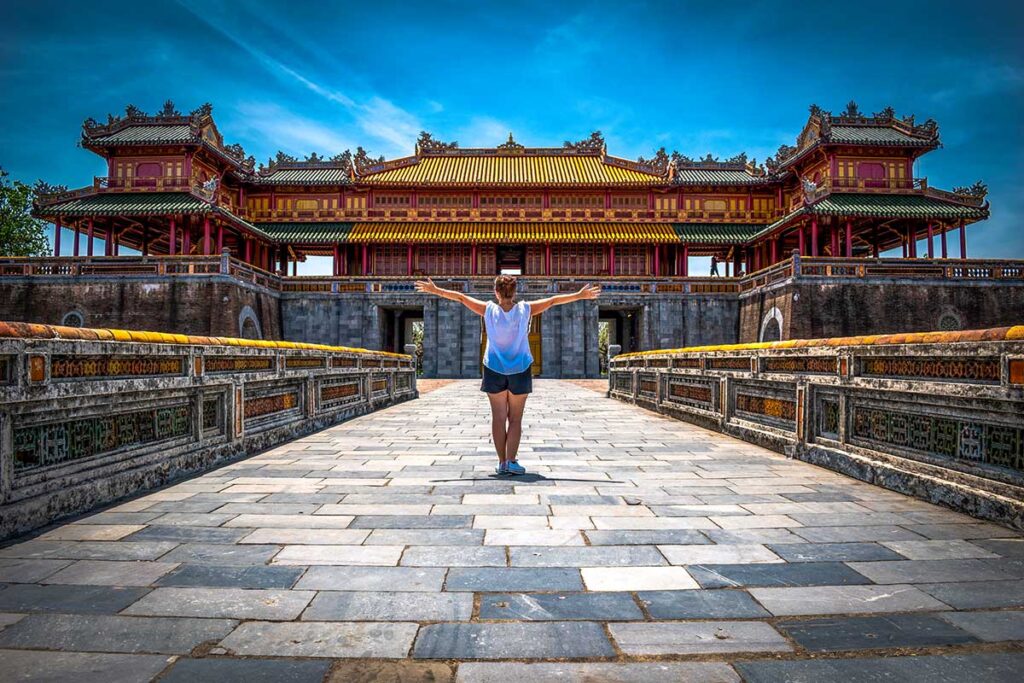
{"points": [[378, 384], [956, 438], [216, 364], [741, 363], [648, 385], [99, 367], [344, 362], [211, 413], [622, 381], [372, 363], [37, 368], [403, 381], [658, 363], [258, 406], [827, 412], [340, 392], [60, 442], [389, 363], [304, 362], [981, 369], [817, 365], [768, 405], [692, 363], [696, 393]]}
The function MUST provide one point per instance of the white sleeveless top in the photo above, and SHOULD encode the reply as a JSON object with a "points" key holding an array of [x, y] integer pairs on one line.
{"points": [[508, 338]]}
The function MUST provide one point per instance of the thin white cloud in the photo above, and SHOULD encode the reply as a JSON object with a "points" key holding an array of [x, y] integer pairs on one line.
{"points": [[270, 123], [377, 116]]}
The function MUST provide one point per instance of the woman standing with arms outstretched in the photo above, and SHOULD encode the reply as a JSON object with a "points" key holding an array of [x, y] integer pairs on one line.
{"points": [[507, 374]]}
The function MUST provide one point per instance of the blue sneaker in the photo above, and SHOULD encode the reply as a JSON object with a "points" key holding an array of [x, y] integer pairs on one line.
{"points": [[502, 470], [515, 468]]}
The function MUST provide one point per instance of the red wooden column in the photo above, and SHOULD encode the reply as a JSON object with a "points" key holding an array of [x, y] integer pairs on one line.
{"points": [[802, 248], [172, 238], [547, 259], [220, 238], [206, 235], [814, 237], [145, 241], [912, 239], [657, 260], [963, 240], [775, 251], [186, 239], [942, 241], [834, 236], [408, 259], [117, 245], [248, 249], [284, 259], [474, 264], [849, 238], [77, 231], [337, 269], [366, 260], [611, 259], [88, 245], [56, 238], [686, 261], [931, 240]]}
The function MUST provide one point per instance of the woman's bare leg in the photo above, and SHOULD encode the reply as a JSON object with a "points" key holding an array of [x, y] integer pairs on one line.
{"points": [[499, 417], [516, 407]]}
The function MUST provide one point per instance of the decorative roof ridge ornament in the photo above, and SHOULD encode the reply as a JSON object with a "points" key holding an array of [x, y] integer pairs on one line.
{"points": [[428, 144], [510, 146], [978, 190], [594, 144]]}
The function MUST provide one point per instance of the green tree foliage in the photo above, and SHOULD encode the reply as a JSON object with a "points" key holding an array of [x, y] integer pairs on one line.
{"points": [[21, 234]]}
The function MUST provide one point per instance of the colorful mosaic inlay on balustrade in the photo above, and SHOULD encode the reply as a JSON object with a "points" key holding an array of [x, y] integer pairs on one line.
{"points": [[339, 393], [216, 364], [98, 367], [981, 369], [825, 365], [974, 441], [258, 406], [48, 444]]}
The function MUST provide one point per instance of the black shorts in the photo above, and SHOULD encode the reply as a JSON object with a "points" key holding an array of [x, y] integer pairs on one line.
{"points": [[519, 383]]}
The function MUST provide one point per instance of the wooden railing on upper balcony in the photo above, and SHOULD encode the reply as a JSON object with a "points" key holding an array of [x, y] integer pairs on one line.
{"points": [[521, 214], [861, 185], [155, 183], [900, 269]]}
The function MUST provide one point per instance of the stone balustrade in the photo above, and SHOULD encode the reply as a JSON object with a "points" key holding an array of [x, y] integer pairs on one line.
{"points": [[937, 415], [91, 415]]}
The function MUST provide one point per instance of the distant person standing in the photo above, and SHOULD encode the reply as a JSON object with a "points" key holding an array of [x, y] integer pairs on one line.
{"points": [[714, 266]]}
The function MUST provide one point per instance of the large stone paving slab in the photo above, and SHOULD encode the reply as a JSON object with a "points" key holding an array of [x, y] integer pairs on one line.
{"points": [[95, 633], [309, 639], [387, 545]]}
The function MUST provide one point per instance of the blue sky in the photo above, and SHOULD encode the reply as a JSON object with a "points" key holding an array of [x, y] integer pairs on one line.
{"points": [[698, 77]]}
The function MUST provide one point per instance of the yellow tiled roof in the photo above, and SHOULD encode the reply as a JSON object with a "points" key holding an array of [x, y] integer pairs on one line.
{"points": [[512, 169], [513, 233]]}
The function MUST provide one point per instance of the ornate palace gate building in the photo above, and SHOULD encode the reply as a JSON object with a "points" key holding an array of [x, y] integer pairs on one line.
{"points": [[194, 206]]}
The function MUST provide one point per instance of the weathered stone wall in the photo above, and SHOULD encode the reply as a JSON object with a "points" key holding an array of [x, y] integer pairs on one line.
{"points": [[85, 421], [839, 307], [939, 416], [208, 305]]}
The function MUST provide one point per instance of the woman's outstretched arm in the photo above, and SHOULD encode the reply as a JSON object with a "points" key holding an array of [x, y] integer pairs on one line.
{"points": [[586, 292], [428, 287]]}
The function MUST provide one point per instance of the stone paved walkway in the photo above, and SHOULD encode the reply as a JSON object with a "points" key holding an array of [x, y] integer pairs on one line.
{"points": [[637, 549]]}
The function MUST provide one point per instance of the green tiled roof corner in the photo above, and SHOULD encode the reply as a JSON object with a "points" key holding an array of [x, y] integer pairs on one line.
{"points": [[147, 134], [715, 233], [876, 135], [129, 204], [305, 176], [307, 233], [893, 206]]}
